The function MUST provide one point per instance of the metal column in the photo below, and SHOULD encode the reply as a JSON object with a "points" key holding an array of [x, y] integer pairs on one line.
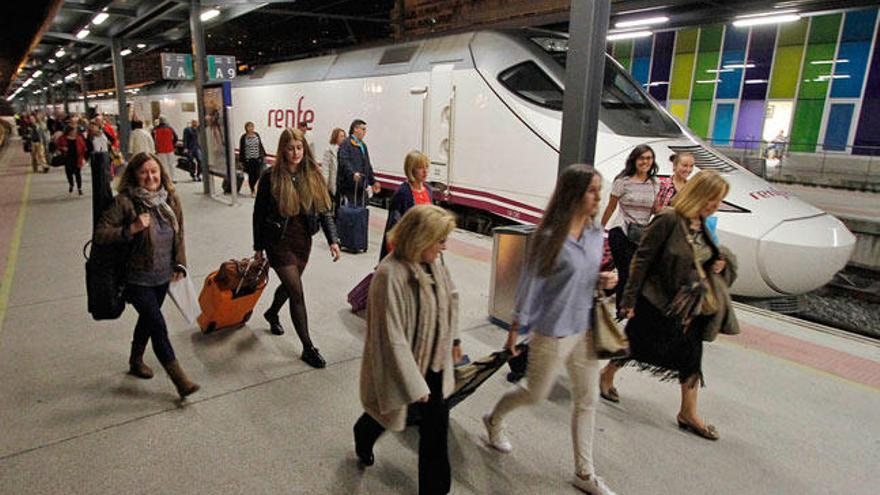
{"points": [[199, 71], [585, 68], [66, 99], [84, 88], [119, 76]]}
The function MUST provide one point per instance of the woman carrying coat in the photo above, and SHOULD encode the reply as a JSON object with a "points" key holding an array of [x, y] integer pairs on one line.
{"points": [[146, 215], [329, 162], [408, 194], [292, 202], [252, 155], [411, 344], [662, 340], [554, 298], [72, 146]]}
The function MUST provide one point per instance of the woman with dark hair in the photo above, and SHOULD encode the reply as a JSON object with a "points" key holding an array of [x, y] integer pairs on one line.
{"points": [[146, 215], [292, 201], [252, 155], [554, 298], [677, 251], [72, 146], [410, 193], [634, 190], [329, 163]]}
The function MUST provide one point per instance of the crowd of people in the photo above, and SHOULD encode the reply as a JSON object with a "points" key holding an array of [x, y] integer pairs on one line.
{"points": [[660, 235]]}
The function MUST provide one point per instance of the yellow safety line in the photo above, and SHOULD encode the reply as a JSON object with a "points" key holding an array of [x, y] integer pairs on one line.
{"points": [[9, 273]]}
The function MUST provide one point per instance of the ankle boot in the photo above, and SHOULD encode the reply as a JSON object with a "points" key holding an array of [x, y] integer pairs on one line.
{"points": [[136, 365], [184, 385], [274, 323]]}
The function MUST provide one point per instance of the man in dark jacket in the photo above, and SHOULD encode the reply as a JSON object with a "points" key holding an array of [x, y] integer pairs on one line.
{"points": [[192, 147], [354, 172]]}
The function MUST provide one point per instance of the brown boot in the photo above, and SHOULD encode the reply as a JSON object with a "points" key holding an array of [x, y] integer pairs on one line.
{"points": [[184, 385], [136, 366]]}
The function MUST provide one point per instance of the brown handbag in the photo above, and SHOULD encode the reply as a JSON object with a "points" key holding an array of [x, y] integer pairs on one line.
{"points": [[609, 338], [694, 299], [241, 276]]}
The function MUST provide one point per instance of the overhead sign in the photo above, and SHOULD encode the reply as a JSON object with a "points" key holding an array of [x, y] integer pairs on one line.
{"points": [[179, 67]]}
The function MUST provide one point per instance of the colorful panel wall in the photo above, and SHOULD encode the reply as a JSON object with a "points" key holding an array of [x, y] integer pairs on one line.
{"points": [[722, 79]]}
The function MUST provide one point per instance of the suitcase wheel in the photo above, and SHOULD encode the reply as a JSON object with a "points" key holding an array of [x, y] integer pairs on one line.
{"points": [[247, 317], [211, 327]]}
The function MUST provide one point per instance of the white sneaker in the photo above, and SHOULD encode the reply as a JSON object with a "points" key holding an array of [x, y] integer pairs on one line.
{"points": [[497, 438], [593, 485]]}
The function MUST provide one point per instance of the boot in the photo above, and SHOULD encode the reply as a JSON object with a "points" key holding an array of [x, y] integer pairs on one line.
{"points": [[136, 365], [274, 323], [184, 385]]}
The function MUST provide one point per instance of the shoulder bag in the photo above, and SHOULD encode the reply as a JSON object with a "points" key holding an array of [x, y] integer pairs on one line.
{"points": [[609, 338], [695, 298]]}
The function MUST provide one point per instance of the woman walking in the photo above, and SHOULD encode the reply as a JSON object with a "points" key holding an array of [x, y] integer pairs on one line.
{"points": [[634, 190], [554, 298], [292, 202], [329, 162], [252, 155], [410, 193], [146, 215], [682, 166], [412, 330], [72, 146], [676, 252]]}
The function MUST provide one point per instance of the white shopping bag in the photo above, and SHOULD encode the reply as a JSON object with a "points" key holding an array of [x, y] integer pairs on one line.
{"points": [[185, 298]]}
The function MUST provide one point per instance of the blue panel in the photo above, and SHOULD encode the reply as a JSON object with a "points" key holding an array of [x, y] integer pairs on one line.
{"points": [[859, 25], [852, 71], [723, 124], [735, 40], [641, 65], [837, 131], [761, 48]]}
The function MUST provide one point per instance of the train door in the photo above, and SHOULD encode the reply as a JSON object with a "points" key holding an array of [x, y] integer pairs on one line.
{"points": [[438, 133]]}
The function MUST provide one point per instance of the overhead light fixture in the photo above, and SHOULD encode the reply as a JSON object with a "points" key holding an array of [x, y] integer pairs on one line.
{"points": [[830, 62], [828, 77], [70, 76], [38, 73], [756, 81], [209, 14], [739, 66], [58, 82], [141, 45], [767, 14], [88, 68], [764, 20], [642, 22], [125, 52], [100, 18], [60, 53], [628, 35], [51, 60], [82, 33], [709, 81], [719, 71]]}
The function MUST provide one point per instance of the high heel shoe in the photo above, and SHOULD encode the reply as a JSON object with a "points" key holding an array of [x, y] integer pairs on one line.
{"points": [[313, 358], [274, 323], [709, 432]]}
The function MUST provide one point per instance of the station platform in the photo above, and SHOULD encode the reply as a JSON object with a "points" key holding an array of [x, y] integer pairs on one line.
{"points": [[797, 404]]}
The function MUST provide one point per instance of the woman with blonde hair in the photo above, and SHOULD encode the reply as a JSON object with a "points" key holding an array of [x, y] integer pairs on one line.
{"points": [[292, 204], [337, 136], [411, 344], [676, 253], [414, 191], [682, 166]]}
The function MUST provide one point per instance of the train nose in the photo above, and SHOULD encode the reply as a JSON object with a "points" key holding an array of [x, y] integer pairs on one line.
{"points": [[803, 254]]}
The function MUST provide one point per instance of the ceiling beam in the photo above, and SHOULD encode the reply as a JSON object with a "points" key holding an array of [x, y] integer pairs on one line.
{"points": [[321, 15]]}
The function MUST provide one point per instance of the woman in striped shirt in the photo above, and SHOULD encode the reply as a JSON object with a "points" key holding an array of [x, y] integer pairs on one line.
{"points": [[682, 166]]}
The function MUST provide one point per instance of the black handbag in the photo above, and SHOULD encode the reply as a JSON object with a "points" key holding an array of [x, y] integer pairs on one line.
{"points": [[313, 223], [274, 228], [634, 232], [105, 279]]}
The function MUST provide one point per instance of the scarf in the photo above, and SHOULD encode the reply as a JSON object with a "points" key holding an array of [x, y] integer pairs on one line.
{"points": [[357, 142], [156, 201]]}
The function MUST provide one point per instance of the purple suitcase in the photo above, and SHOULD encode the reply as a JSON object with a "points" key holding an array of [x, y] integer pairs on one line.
{"points": [[357, 297]]}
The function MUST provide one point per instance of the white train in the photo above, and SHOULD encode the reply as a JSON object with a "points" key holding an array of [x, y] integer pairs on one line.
{"points": [[486, 108]]}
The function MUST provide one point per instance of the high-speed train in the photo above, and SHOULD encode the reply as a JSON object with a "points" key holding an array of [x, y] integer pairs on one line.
{"points": [[486, 107]]}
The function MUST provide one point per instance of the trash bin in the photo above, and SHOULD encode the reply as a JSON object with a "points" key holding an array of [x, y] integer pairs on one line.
{"points": [[509, 250]]}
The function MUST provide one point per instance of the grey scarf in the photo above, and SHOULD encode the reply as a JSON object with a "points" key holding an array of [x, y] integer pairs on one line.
{"points": [[158, 202]]}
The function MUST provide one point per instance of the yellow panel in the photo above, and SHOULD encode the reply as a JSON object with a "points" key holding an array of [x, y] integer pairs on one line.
{"points": [[679, 111]]}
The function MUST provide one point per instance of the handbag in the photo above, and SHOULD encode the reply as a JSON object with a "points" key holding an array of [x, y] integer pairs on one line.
{"points": [[609, 338], [242, 277], [695, 298], [634, 232], [105, 279], [274, 228]]}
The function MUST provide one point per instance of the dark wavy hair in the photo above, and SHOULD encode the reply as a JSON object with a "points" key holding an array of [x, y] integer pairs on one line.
{"points": [[630, 169], [562, 207]]}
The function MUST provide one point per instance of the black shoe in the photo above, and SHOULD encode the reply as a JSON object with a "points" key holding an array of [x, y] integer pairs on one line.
{"points": [[313, 358], [274, 324], [70, 189], [80, 192], [365, 458]]}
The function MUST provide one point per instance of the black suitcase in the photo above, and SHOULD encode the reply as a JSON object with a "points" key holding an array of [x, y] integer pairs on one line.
{"points": [[352, 224], [239, 178], [186, 164]]}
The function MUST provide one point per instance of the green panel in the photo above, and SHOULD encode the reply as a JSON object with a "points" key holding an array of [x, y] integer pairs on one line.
{"points": [[623, 49], [626, 63], [786, 66], [812, 87], [824, 28], [682, 75], [806, 123], [698, 120], [710, 38], [686, 41], [794, 33], [707, 60]]}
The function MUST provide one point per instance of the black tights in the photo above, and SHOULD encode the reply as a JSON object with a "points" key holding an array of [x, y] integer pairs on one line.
{"points": [[291, 288]]}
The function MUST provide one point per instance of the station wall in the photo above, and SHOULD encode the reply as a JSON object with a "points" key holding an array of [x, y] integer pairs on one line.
{"points": [[817, 80]]}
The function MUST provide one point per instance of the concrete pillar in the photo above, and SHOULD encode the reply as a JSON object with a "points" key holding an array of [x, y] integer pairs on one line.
{"points": [[119, 76], [199, 73]]}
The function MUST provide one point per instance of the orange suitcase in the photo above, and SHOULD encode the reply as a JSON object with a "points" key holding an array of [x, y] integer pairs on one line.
{"points": [[220, 309]]}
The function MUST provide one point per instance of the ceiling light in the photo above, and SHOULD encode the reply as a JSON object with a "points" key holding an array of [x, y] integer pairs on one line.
{"points": [[60, 53], [756, 81], [658, 83], [70, 76], [628, 35], [709, 81], [719, 71], [51, 60], [58, 82], [125, 52], [767, 14], [38, 73], [830, 62], [209, 14], [100, 18], [739, 66], [88, 68], [141, 45], [770, 19], [82, 33], [642, 22]]}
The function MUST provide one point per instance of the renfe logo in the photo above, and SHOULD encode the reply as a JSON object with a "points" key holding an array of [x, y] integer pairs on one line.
{"points": [[290, 118], [769, 193]]}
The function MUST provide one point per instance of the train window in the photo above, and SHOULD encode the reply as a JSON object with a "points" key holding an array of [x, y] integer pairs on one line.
{"points": [[529, 82], [398, 54]]}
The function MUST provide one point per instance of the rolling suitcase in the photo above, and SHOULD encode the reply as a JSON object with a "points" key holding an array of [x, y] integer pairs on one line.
{"points": [[223, 307], [352, 223]]}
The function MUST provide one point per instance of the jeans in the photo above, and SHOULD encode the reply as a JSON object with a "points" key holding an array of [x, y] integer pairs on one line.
{"points": [[253, 167], [73, 172], [435, 474], [546, 356], [147, 301], [622, 250]]}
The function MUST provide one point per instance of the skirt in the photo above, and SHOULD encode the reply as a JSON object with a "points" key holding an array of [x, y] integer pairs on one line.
{"points": [[659, 344], [294, 246]]}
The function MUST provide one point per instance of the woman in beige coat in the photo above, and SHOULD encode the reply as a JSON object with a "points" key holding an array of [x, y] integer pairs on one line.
{"points": [[412, 327]]}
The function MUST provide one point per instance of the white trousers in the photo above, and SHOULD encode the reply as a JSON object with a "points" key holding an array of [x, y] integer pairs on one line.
{"points": [[169, 163], [546, 357]]}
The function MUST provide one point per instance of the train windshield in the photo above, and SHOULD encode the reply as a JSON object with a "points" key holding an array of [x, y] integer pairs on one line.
{"points": [[626, 108]]}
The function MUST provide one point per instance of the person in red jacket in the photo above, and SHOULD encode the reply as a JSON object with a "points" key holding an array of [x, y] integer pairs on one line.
{"points": [[72, 147], [165, 139]]}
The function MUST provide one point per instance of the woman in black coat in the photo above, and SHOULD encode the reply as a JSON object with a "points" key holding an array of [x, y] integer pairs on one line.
{"points": [[414, 191]]}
